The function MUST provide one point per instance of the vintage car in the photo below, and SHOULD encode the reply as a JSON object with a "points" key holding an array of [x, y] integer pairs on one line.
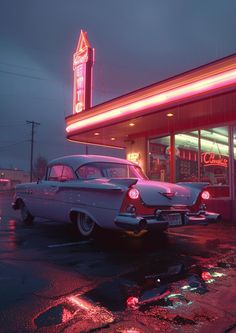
{"points": [[96, 192]]}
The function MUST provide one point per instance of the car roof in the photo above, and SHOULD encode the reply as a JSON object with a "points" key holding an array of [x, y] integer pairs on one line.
{"points": [[76, 161]]}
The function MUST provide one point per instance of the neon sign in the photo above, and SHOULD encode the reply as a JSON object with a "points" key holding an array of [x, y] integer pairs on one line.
{"points": [[172, 95], [82, 65], [211, 159]]}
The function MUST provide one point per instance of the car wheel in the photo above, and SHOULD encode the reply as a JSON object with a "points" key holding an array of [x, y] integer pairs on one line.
{"points": [[26, 217], [85, 225]]}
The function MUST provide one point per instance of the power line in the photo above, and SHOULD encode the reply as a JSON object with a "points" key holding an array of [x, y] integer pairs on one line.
{"points": [[19, 66], [24, 75], [13, 144], [12, 125]]}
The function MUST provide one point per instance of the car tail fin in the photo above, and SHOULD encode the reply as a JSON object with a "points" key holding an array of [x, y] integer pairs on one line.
{"points": [[124, 181]]}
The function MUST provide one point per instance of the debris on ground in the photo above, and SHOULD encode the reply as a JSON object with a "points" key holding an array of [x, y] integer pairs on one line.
{"points": [[223, 264], [147, 297]]}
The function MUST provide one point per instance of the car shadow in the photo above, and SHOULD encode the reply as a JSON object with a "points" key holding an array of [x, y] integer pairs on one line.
{"points": [[122, 242]]}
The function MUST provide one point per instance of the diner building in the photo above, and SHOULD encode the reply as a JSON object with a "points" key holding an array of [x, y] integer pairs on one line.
{"points": [[182, 129]]}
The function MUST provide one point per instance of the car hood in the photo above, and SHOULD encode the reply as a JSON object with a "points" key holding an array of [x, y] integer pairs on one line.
{"points": [[167, 194]]}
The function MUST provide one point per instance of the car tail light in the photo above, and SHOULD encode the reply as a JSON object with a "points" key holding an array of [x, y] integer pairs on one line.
{"points": [[133, 193], [205, 195], [131, 209]]}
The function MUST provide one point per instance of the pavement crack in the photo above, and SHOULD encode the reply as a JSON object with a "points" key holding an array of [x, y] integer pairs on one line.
{"points": [[230, 328], [75, 291]]}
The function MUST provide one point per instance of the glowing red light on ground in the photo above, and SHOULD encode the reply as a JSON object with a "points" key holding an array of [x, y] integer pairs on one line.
{"points": [[133, 193], [205, 195], [206, 276], [132, 302]]}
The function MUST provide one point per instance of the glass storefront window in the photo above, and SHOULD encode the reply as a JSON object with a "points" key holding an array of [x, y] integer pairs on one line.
{"points": [[199, 156], [159, 162], [186, 157], [234, 163], [215, 156]]}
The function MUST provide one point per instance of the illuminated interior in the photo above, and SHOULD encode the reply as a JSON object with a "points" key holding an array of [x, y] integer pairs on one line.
{"points": [[199, 156]]}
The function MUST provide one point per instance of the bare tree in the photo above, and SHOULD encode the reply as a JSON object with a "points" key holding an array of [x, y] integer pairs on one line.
{"points": [[39, 168]]}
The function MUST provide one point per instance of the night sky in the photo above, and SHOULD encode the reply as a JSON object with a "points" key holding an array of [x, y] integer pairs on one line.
{"points": [[137, 43]]}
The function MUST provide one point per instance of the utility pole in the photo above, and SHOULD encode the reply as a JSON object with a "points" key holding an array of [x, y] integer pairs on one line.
{"points": [[33, 123]]}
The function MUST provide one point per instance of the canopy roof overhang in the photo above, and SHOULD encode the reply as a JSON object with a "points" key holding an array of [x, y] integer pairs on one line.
{"points": [[195, 98]]}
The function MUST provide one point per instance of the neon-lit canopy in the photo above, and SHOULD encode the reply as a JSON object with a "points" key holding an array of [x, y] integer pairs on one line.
{"points": [[146, 109]]}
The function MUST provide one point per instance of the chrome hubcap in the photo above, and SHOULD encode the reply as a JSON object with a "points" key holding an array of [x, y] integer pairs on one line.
{"points": [[85, 224]]}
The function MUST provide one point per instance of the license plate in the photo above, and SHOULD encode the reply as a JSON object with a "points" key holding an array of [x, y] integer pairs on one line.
{"points": [[173, 219]]}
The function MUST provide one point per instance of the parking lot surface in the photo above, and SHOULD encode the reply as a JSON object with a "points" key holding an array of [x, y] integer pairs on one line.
{"points": [[53, 281]]}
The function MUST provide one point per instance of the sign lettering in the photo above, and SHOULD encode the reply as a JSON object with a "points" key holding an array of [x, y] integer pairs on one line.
{"points": [[211, 159], [82, 66]]}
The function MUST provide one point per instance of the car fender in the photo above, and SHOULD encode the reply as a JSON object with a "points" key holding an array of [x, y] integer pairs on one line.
{"points": [[104, 219], [17, 199], [75, 210], [16, 202]]}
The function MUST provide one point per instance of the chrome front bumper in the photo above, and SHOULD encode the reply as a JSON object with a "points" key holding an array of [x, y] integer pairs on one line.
{"points": [[130, 222]]}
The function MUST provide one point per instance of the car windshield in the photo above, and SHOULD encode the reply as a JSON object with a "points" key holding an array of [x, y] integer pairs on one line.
{"points": [[109, 170]]}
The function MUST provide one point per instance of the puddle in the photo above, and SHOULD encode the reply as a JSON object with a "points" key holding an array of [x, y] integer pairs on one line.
{"points": [[139, 290], [9, 239], [108, 295], [113, 295], [55, 315]]}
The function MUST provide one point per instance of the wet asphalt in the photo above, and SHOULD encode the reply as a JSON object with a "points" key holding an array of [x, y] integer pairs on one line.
{"points": [[54, 281]]}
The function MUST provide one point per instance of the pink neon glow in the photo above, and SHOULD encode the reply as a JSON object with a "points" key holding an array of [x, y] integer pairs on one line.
{"points": [[94, 310], [209, 159], [82, 74], [191, 89], [81, 303]]}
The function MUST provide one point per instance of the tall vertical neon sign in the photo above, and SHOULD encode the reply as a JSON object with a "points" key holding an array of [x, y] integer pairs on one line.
{"points": [[83, 60]]}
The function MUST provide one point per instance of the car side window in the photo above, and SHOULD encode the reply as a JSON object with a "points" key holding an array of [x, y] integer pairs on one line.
{"points": [[89, 172], [55, 172], [67, 174], [61, 173], [117, 172]]}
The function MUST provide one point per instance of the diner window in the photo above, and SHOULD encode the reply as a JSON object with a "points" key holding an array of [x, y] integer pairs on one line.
{"points": [[186, 157], [215, 156], [199, 156], [159, 159]]}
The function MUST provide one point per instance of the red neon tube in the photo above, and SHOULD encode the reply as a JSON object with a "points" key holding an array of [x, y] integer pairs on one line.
{"points": [[188, 90]]}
